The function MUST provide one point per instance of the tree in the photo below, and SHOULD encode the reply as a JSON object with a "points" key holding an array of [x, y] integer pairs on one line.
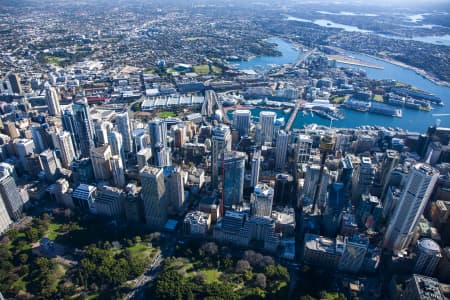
{"points": [[260, 280], [210, 249], [242, 266]]}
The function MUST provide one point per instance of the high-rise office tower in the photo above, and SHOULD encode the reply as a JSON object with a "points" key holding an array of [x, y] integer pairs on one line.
{"points": [[40, 138], [124, 127], [101, 131], [158, 132], [115, 140], [118, 172], [11, 197], [66, 148], [352, 258], [262, 200], [68, 122], [101, 163], [281, 149], [83, 128], [310, 189], [267, 121], [428, 257], [241, 121], [346, 174], [50, 164], [284, 189], [139, 140], [363, 179], [179, 136], [221, 142], [233, 177], [412, 202], [173, 182], [14, 81], [5, 220], [52, 97], [11, 130], [390, 162], [303, 148], [153, 195], [256, 165]]}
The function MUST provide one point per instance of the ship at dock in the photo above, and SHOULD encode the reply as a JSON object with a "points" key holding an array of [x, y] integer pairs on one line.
{"points": [[372, 107]]}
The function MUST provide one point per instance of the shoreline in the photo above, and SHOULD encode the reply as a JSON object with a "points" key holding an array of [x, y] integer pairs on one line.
{"points": [[418, 71]]}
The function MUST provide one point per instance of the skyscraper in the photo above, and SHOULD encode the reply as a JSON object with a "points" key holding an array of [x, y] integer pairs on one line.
{"points": [[52, 97], [115, 140], [262, 200], [355, 248], [50, 164], [281, 145], [233, 177], [173, 182], [66, 148], [101, 163], [158, 132], [11, 197], [241, 121], [5, 220], [83, 128], [310, 189], [124, 127], [390, 162], [412, 202], [221, 142], [153, 196], [303, 148], [429, 255], [68, 122], [118, 172], [14, 81], [363, 179], [256, 165], [267, 121]]}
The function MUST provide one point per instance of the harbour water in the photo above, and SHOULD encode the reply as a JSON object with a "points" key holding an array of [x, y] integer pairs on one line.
{"points": [[412, 120]]}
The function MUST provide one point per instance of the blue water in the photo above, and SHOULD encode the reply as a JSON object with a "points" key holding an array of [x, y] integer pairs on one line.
{"points": [[289, 55], [413, 120]]}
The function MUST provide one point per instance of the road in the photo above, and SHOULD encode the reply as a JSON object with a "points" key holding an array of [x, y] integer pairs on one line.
{"points": [[151, 274]]}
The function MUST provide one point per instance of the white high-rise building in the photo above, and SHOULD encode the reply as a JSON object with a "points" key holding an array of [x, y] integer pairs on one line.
{"points": [[66, 148], [5, 220], [118, 172], [101, 163], [124, 127], [303, 148], [241, 121], [413, 200], [267, 121], [115, 140], [256, 166], [50, 164], [52, 97], [262, 200], [282, 145], [221, 143]]}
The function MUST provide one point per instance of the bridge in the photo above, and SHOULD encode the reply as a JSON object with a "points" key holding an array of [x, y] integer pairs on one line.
{"points": [[293, 115]]}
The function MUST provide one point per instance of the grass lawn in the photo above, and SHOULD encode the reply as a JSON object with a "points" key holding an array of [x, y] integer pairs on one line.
{"points": [[53, 229], [201, 69], [212, 275], [338, 100], [52, 60], [149, 71], [378, 98], [216, 70], [142, 251], [166, 114]]}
